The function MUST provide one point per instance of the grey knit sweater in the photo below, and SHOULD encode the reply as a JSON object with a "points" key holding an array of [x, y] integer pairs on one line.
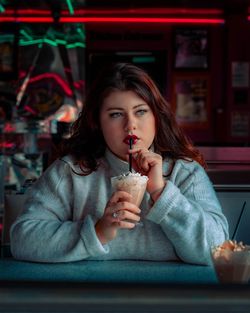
{"points": [[57, 223]]}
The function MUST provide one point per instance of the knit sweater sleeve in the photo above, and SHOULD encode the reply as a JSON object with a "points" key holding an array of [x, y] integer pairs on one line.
{"points": [[46, 231], [189, 213]]}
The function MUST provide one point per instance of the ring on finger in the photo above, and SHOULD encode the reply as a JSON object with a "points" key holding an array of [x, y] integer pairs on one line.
{"points": [[115, 215]]}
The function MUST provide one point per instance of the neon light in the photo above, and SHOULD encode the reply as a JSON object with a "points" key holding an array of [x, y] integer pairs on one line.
{"points": [[33, 12], [115, 20], [141, 20], [7, 19], [124, 11], [2, 9], [7, 145], [61, 42], [81, 32], [147, 11], [27, 12], [29, 109], [26, 19], [79, 84], [116, 15], [70, 7], [55, 43], [75, 45], [37, 41], [25, 34], [37, 19], [56, 77], [8, 128]]}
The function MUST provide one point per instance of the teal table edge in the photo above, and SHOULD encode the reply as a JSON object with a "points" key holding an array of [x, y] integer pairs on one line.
{"points": [[120, 271]]}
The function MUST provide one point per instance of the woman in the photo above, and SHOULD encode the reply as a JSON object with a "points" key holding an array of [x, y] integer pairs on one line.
{"points": [[72, 212]]}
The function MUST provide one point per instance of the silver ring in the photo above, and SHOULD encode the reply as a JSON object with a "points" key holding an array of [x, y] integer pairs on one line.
{"points": [[115, 215]]}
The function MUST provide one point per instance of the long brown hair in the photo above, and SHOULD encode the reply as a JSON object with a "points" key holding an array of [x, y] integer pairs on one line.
{"points": [[86, 142]]}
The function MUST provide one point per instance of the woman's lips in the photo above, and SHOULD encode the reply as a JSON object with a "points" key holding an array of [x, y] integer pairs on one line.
{"points": [[133, 137]]}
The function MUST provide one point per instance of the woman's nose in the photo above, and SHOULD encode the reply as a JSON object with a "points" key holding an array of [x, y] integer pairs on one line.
{"points": [[130, 124]]}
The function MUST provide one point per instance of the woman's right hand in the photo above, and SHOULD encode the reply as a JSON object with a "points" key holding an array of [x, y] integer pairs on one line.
{"points": [[126, 216]]}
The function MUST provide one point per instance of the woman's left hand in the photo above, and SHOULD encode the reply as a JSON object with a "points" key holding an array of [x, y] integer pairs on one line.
{"points": [[149, 163]]}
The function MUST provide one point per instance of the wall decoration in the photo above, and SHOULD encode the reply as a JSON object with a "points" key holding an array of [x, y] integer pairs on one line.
{"points": [[240, 124], [191, 100], [240, 74], [191, 48]]}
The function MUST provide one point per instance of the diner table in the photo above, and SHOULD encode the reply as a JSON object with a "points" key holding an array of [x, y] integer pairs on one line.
{"points": [[115, 271], [119, 271], [119, 286]]}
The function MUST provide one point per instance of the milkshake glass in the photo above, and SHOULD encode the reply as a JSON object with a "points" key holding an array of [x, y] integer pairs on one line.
{"points": [[231, 266], [133, 183]]}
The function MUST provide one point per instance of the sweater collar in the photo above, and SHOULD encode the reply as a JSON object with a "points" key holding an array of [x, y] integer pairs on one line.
{"points": [[117, 165]]}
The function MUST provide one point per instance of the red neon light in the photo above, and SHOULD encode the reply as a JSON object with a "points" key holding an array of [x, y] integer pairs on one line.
{"points": [[248, 17], [27, 12], [29, 109], [124, 11], [141, 20], [59, 80], [7, 19], [37, 19], [6, 145], [8, 128], [27, 19], [33, 12], [115, 20], [144, 11], [116, 15]]}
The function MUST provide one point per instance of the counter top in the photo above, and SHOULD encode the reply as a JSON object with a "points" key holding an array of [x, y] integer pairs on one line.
{"points": [[122, 271], [116, 286]]}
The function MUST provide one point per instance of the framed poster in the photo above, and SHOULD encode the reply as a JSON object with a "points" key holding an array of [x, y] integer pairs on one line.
{"points": [[191, 48], [240, 74], [191, 100], [240, 124]]}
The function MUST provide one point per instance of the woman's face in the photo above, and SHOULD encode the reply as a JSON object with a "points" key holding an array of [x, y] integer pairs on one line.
{"points": [[124, 114]]}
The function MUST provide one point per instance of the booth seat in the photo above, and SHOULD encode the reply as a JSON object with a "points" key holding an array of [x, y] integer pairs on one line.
{"points": [[236, 207]]}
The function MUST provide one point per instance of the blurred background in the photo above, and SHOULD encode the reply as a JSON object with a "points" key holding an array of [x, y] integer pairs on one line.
{"points": [[198, 52]]}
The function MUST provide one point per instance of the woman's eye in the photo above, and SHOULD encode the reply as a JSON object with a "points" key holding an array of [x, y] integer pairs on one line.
{"points": [[115, 114], [141, 112]]}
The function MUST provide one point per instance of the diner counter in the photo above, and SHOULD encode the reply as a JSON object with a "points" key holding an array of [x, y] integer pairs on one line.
{"points": [[125, 271], [116, 286]]}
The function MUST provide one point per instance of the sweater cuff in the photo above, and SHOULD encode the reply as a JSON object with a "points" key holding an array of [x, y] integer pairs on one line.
{"points": [[91, 241], [164, 203]]}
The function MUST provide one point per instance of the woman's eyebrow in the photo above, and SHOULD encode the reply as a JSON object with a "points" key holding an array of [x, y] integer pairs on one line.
{"points": [[121, 109], [140, 105], [114, 108]]}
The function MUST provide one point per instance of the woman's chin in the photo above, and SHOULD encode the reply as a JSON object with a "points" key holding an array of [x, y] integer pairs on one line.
{"points": [[123, 157]]}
